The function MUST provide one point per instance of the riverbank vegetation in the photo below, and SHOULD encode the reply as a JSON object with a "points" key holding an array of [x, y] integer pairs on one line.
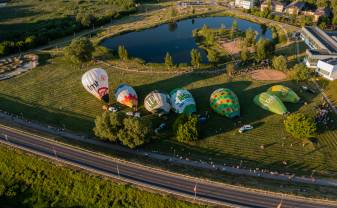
{"points": [[28, 24], [28, 181]]}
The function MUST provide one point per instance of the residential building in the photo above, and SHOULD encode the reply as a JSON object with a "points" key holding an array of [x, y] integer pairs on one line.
{"points": [[327, 68], [246, 4], [275, 6], [322, 45], [294, 8]]}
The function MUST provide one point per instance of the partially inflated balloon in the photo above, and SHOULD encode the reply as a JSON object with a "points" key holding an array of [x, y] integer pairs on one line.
{"points": [[126, 95], [225, 102], [182, 101], [157, 102], [270, 102], [95, 81], [284, 93]]}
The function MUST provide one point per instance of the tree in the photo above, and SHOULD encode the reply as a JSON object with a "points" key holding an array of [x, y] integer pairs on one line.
{"points": [[264, 48], [212, 57], [233, 30], [250, 37], [300, 73], [186, 128], [85, 18], [80, 50], [172, 12], [244, 54], [168, 60], [195, 58], [230, 69], [123, 53], [300, 126], [108, 125], [280, 63], [135, 132]]}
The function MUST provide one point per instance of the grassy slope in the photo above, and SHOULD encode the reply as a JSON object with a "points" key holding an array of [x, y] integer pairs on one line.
{"points": [[53, 93], [32, 182]]}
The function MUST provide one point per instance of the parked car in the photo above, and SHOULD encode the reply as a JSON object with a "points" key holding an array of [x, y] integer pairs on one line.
{"points": [[245, 128]]}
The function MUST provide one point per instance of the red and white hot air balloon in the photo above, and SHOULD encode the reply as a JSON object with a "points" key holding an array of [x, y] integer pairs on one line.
{"points": [[95, 81]]}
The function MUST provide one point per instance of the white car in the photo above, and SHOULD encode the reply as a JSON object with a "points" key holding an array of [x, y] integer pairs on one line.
{"points": [[245, 128]]}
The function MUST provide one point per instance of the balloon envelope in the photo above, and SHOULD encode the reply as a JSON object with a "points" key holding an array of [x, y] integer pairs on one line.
{"points": [[270, 102], [95, 81], [126, 95], [284, 93], [157, 102], [225, 102], [182, 101]]}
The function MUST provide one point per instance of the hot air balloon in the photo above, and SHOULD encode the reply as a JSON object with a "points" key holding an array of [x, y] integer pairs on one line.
{"points": [[95, 81], [157, 102], [225, 102], [182, 101], [270, 102], [126, 95], [284, 93]]}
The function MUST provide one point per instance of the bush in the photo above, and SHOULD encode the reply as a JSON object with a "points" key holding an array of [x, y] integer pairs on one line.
{"points": [[300, 126], [186, 128], [300, 73], [130, 131], [80, 50], [280, 63]]}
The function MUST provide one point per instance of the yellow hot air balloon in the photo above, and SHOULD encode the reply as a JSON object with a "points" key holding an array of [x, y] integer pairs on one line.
{"points": [[95, 81]]}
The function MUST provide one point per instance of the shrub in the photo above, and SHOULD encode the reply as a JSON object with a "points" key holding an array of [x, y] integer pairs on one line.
{"points": [[186, 128], [300, 126], [80, 50]]}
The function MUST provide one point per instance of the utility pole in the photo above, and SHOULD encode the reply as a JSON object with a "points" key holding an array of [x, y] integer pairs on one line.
{"points": [[118, 171], [195, 191]]}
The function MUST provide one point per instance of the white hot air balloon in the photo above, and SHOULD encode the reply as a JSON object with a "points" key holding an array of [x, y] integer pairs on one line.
{"points": [[126, 95], [95, 81], [157, 102]]}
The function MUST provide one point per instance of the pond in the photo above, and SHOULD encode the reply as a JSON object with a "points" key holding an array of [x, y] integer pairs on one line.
{"points": [[152, 44]]}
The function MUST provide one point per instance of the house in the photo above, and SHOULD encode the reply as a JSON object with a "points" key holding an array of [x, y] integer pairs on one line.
{"points": [[321, 12], [246, 4], [327, 68], [294, 8], [322, 45], [275, 6]]}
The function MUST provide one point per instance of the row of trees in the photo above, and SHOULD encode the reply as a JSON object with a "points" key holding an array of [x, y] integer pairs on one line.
{"points": [[51, 29]]}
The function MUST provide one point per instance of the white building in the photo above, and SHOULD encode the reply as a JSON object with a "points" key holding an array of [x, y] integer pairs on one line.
{"points": [[327, 68], [246, 4]]}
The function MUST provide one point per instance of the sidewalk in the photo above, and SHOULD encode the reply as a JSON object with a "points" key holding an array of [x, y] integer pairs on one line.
{"points": [[4, 116]]}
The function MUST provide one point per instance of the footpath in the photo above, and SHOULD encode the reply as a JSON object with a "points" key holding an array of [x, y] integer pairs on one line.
{"points": [[14, 119]]}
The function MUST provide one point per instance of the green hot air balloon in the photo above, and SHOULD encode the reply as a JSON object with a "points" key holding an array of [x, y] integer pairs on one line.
{"points": [[225, 102], [182, 101], [284, 93], [270, 102]]}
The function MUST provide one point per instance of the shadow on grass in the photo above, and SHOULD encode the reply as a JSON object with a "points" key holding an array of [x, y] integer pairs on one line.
{"points": [[60, 118]]}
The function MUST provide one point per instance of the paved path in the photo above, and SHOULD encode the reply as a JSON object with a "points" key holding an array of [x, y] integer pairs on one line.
{"points": [[164, 181], [172, 159]]}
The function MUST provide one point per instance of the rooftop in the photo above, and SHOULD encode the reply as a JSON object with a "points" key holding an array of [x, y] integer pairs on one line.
{"points": [[331, 61], [326, 41], [298, 4]]}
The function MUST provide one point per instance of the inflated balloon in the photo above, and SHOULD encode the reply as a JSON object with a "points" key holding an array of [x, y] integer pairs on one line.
{"points": [[225, 102], [126, 95], [284, 93], [95, 81], [157, 102], [270, 102], [182, 101]]}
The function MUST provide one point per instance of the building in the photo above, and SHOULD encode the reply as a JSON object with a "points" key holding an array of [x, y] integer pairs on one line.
{"points": [[317, 14], [322, 45], [275, 6], [327, 68], [246, 4], [294, 8]]}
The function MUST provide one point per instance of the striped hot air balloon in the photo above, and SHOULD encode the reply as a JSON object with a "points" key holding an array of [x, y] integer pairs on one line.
{"points": [[126, 95], [225, 102]]}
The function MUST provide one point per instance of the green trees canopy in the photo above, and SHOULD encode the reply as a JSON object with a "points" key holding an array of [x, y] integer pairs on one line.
{"points": [[300, 126], [270, 102], [224, 102], [280, 63], [284, 93], [186, 128], [300, 73], [80, 50]]}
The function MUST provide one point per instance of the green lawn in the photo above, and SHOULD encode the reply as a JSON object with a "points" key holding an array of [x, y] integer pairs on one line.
{"points": [[53, 93]]}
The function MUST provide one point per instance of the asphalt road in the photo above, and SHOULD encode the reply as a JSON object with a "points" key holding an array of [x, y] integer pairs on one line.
{"points": [[206, 191]]}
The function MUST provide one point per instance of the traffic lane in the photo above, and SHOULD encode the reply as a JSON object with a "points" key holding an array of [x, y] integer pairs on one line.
{"points": [[207, 191]]}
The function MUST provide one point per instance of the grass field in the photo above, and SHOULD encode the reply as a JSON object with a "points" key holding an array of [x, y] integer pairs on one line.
{"points": [[53, 93]]}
